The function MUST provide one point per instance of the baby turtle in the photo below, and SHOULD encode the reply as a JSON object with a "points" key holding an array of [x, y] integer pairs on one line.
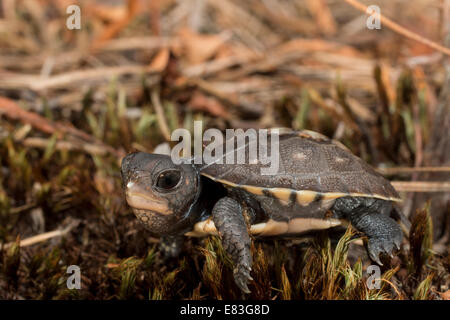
{"points": [[320, 184]]}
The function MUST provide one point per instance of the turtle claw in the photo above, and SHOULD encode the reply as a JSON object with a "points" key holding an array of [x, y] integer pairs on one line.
{"points": [[388, 248], [242, 285], [242, 277], [383, 233], [397, 243], [377, 246], [374, 250]]}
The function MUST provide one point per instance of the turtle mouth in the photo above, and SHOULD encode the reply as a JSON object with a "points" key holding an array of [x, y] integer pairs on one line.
{"points": [[139, 198]]}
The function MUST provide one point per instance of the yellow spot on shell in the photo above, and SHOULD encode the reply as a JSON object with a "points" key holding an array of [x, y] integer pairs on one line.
{"points": [[305, 197], [333, 195], [253, 190], [281, 193]]}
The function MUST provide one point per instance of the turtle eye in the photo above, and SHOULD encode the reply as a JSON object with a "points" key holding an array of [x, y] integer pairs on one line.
{"points": [[168, 180]]}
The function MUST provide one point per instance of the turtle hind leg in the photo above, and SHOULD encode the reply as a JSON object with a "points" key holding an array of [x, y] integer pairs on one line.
{"points": [[371, 216], [229, 220]]}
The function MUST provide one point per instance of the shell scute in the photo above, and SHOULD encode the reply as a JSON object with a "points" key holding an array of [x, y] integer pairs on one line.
{"points": [[309, 164]]}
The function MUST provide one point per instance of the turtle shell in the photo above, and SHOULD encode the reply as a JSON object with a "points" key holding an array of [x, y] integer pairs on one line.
{"points": [[310, 166]]}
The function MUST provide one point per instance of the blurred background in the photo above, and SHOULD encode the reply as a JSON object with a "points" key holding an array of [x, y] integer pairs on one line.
{"points": [[73, 102]]}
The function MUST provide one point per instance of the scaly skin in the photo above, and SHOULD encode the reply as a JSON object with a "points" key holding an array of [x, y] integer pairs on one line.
{"points": [[229, 220], [371, 216], [383, 234]]}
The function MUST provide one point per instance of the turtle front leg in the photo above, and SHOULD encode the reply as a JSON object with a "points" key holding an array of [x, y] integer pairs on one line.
{"points": [[383, 233], [229, 220], [371, 216]]}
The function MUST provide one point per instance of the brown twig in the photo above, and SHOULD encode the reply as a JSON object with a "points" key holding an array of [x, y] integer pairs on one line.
{"points": [[401, 30], [397, 170], [112, 30], [322, 15], [92, 149], [13, 111], [43, 236], [160, 114], [421, 186], [35, 82]]}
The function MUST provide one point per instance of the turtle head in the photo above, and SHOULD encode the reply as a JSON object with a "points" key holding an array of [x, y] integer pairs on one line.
{"points": [[162, 194]]}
